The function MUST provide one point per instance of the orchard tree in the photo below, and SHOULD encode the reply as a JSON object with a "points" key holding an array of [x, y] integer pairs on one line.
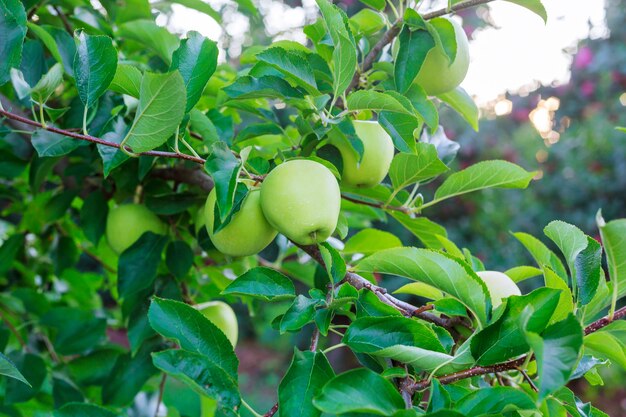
{"points": [[145, 189]]}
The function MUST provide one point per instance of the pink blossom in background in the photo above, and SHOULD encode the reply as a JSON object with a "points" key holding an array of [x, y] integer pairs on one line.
{"points": [[583, 58], [587, 88]]}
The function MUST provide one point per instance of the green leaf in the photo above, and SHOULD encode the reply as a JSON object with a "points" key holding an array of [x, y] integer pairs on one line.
{"points": [[301, 312], [113, 157], [333, 262], [268, 86], [8, 368], [127, 80], [307, 374], [408, 168], [359, 391], [137, 265], [160, 111], [93, 216], [335, 20], [12, 34], [292, 64], [368, 241], [375, 4], [534, 6], [504, 338], [439, 397], [606, 345], [542, 255], [95, 63], [76, 330], [42, 91], [196, 59], [262, 283], [367, 22], [64, 44], [613, 236], [344, 64], [493, 401], [401, 128], [224, 168], [375, 101], [47, 40], [570, 239], [566, 302], [194, 333], [556, 352], [201, 373], [47, 143], [400, 338], [179, 258], [462, 103], [156, 38], [435, 269], [522, 273], [487, 174], [81, 410], [9, 250], [424, 106], [414, 46], [421, 290]]}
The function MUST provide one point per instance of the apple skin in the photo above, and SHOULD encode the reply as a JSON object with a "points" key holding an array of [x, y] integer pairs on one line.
{"points": [[499, 285], [377, 155], [437, 76], [126, 224], [301, 199], [248, 232], [223, 317]]}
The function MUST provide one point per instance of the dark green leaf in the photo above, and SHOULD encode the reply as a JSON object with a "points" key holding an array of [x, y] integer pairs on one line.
{"points": [[267, 86], [494, 400], [9, 250], [614, 240], [156, 38], [47, 143], [93, 216], [504, 339], [179, 258], [76, 330], [414, 46], [82, 410], [307, 374], [333, 262], [542, 255], [12, 34], [344, 64], [301, 312], [263, 283], [113, 157], [401, 128], [137, 265], [8, 368], [194, 332], [196, 59], [292, 64], [359, 391], [409, 168], [224, 168], [33, 369], [95, 63]]}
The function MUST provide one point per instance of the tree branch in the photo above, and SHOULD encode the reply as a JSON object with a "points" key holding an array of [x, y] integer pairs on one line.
{"points": [[93, 139], [509, 365], [405, 210], [193, 176], [391, 34]]}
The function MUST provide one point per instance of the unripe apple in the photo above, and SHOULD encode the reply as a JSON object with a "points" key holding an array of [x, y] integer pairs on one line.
{"points": [[499, 285], [126, 224], [247, 233], [377, 155], [301, 199], [223, 317], [438, 75]]}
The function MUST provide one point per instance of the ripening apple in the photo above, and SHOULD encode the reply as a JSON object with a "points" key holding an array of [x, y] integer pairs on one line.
{"points": [[301, 199], [247, 233], [377, 155], [126, 224], [223, 317], [500, 286], [438, 75]]}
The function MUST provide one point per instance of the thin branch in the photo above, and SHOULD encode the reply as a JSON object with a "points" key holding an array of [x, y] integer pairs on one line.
{"points": [[161, 390], [272, 411], [509, 365], [379, 205], [66, 22], [527, 379], [394, 31], [94, 139], [13, 330]]}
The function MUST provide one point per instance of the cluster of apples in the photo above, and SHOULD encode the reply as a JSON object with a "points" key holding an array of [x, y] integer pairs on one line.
{"points": [[300, 198]]}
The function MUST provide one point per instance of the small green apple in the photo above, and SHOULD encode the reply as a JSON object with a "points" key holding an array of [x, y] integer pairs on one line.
{"points": [[301, 199], [247, 233], [126, 224], [377, 155], [437, 75], [223, 317], [499, 285]]}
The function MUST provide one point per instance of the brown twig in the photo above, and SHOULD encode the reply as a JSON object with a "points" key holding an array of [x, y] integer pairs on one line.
{"points": [[64, 19], [509, 365], [13, 330], [161, 390], [94, 139], [526, 378], [272, 411], [376, 204]]}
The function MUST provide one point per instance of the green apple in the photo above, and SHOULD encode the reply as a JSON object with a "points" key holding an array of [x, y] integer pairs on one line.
{"points": [[377, 155], [438, 75], [247, 233], [301, 199], [499, 285], [126, 224], [223, 317]]}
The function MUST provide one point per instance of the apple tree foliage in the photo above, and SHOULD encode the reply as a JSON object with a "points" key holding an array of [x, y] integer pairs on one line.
{"points": [[102, 106]]}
